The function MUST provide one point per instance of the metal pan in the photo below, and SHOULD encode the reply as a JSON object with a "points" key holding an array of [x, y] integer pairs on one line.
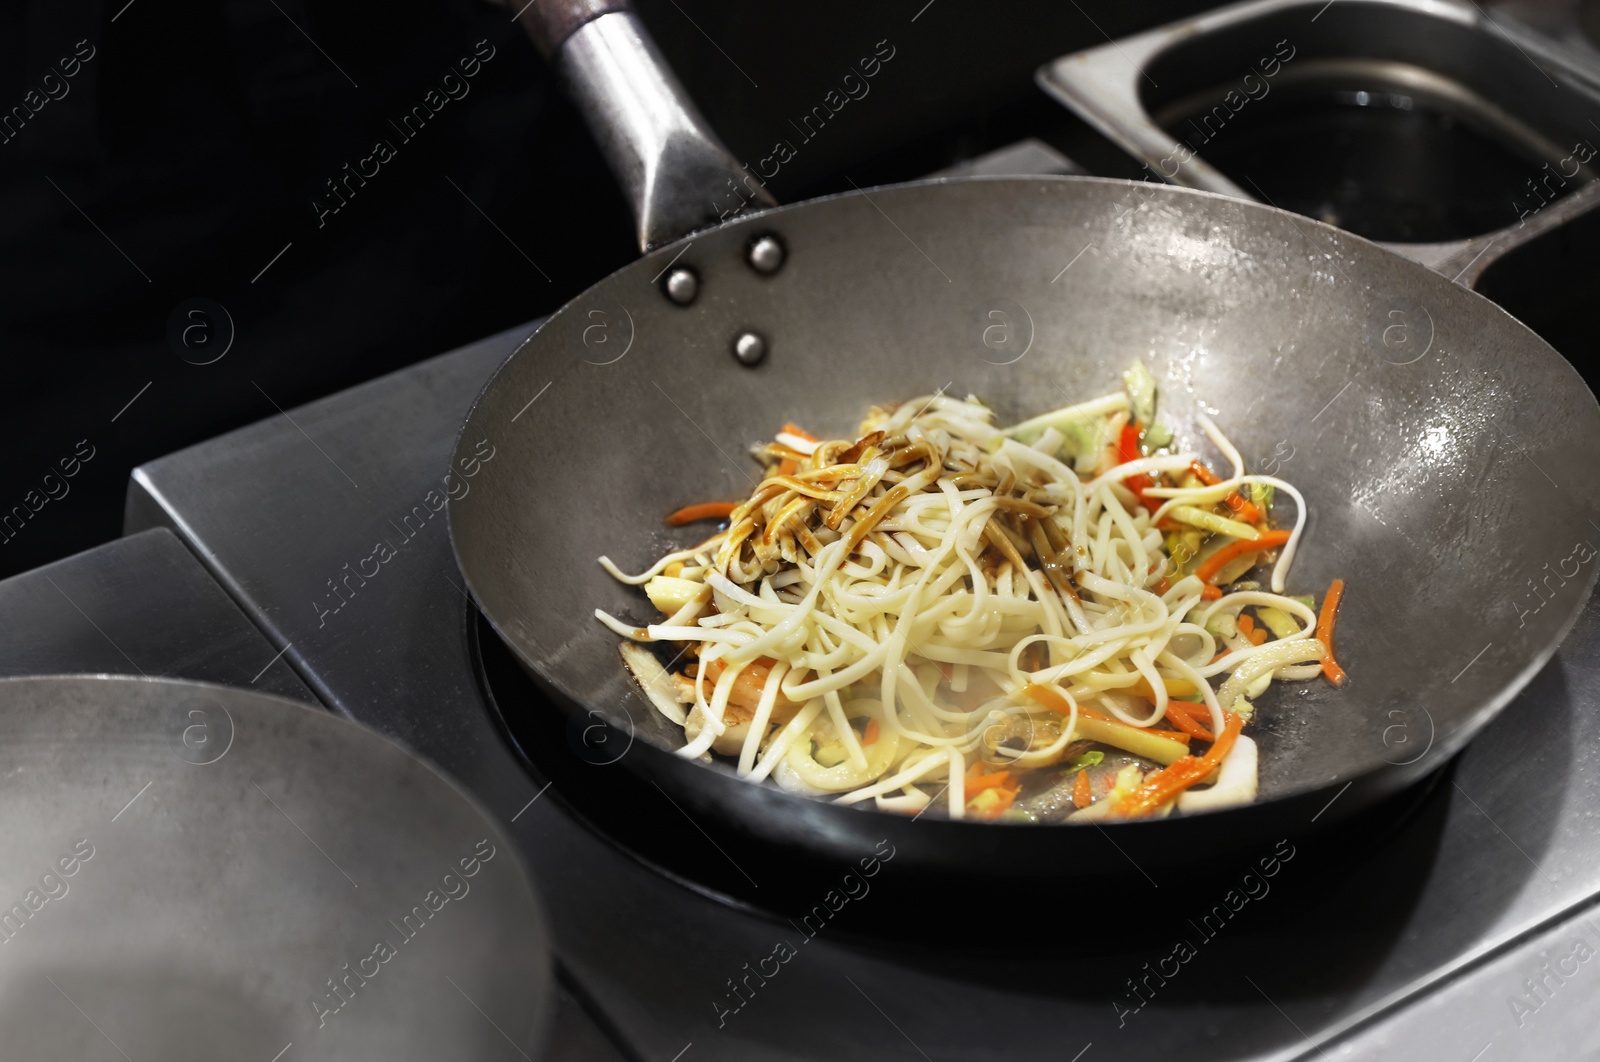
{"points": [[196, 872], [1447, 455]]}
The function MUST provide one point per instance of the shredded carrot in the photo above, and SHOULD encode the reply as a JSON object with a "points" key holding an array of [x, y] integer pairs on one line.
{"points": [[978, 783], [1210, 593], [1006, 797], [1232, 724], [1325, 621], [1235, 501], [1051, 698], [1159, 787], [1185, 722], [870, 737], [1244, 509], [1081, 795], [1167, 783], [747, 688], [1248, 628], [1162, 586], [796, 430], [1003, 782], [1128, 450], [1234, 550], [704, 511], [788, 466], [1102, 717], [1128, 442]]}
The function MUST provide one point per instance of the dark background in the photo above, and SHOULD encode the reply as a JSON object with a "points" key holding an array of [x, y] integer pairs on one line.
{"points": [[188, 150]]}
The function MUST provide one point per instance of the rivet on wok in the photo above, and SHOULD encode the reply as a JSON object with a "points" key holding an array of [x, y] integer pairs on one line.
{"points": [[766, 254], [681, 285], [749, 348]]}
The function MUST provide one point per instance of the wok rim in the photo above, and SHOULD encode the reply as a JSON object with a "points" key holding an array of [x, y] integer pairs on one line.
{"points": [[1379, 779]]}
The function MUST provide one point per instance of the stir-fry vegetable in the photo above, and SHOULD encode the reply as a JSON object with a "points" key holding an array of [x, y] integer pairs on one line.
{"points": [[703, 511], [1330, 613], [1234, 550], [1082, 793], [939, 615]]}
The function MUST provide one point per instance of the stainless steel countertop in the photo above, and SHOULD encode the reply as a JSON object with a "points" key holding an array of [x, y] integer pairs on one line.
{"points": [[138, 605], [144, 605], [1504, 850]]}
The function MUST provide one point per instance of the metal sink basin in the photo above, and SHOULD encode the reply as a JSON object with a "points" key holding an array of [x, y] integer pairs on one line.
{"points": [[1406, 121]]}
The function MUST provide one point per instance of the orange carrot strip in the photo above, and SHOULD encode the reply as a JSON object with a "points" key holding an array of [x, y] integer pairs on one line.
{"points": [[1231, 726], [788, 466], [1051, 698], [704, 511], [747, 688], [1234, 550], [1185, 722], [978, 783], [871, 735], [1245, 510], [1248, 628], [1160, 787], [1209, 593], [1007, 796], [1081, 795], [1235, 501], [1128, 450], [795, 429], [1169, 782], [1325, 621]]}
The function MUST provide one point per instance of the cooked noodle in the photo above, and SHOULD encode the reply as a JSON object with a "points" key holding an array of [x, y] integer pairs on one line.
{"points": [[881, 613]]}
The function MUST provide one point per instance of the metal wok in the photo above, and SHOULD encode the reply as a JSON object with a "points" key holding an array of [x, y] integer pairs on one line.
{"points": [[197, 872], [1447, 455]]}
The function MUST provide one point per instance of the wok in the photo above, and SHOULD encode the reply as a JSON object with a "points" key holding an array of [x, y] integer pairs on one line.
{"points": [[197, 872], [1447, 454]]}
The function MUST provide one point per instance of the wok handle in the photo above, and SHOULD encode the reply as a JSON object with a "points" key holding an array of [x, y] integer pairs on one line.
{"points": [[676, 173], [1466, 261]]}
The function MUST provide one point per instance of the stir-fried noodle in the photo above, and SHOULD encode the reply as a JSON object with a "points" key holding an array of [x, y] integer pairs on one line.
{"points": [[1019, 623]]}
